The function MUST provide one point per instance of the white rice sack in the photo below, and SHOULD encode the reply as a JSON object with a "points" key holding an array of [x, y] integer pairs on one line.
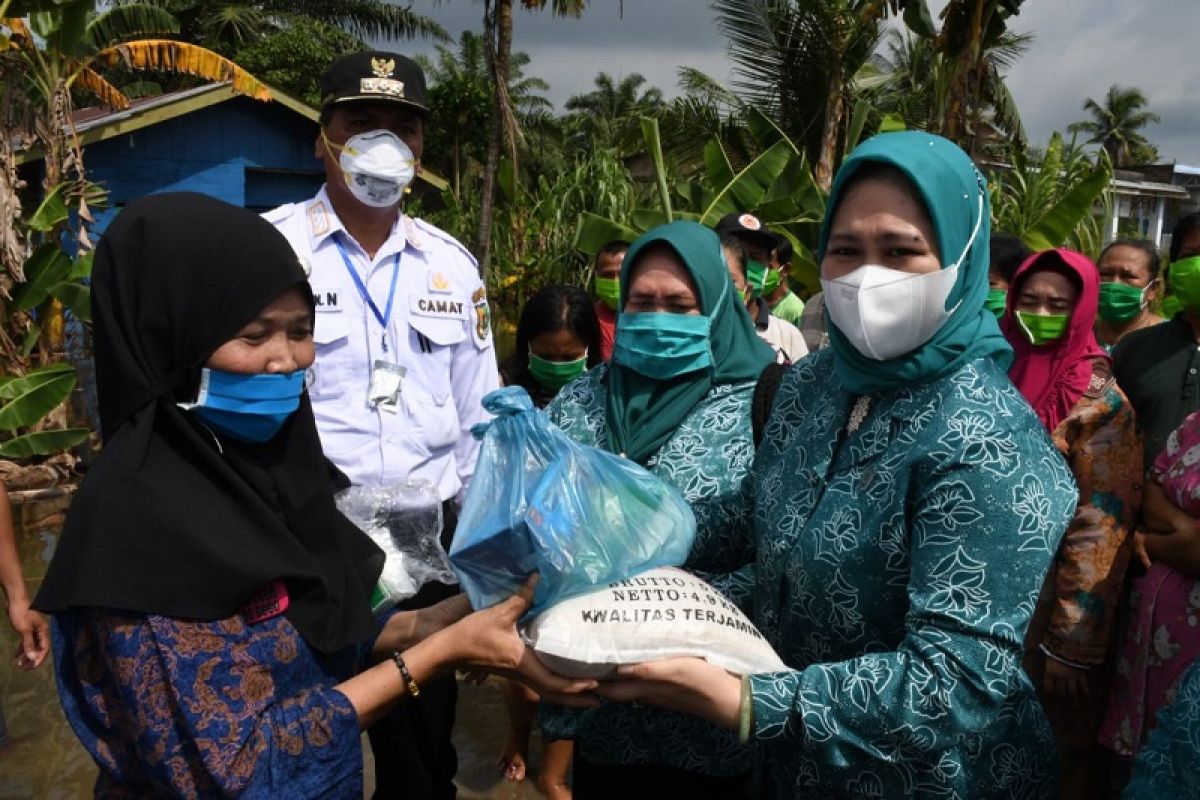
{"points": [[659, 614]]}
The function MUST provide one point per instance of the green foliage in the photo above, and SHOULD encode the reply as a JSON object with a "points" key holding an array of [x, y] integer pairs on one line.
{"points": [[1050, 202], [294, 57], [776, 186], [1116, 126], [25, 401]]}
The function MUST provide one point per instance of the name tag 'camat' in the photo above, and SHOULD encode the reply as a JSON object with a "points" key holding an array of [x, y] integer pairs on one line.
{"points": [[435, 306]]}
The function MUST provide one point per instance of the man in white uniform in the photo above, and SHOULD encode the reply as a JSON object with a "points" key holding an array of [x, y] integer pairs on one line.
{"points": [[404, 346]]}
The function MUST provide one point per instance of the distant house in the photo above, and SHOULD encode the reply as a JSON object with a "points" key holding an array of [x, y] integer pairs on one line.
{"points": [[206, 139]]}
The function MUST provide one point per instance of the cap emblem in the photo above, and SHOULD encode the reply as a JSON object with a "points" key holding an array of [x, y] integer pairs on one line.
{"points": [[383, 69], [749, 222], [389, 87]]}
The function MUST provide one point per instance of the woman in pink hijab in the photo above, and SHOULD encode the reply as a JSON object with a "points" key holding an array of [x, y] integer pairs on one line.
{"points": [[1066, 376]]}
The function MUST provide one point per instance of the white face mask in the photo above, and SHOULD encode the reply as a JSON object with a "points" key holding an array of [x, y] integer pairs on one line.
{"points": [[886, 313], [378, 166]]}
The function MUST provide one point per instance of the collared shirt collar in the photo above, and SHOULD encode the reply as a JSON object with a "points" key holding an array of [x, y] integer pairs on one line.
{"points": [[323, 222]]}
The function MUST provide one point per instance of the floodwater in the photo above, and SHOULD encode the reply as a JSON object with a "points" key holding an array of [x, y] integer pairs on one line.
{"points": [[43, 760]]}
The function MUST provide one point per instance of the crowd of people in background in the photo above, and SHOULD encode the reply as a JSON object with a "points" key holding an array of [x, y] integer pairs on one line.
{"points": [[957, 490]]}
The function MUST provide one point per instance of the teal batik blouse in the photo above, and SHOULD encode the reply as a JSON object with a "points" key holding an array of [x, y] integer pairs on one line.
{"points": [[897, 568], [706, 459]]}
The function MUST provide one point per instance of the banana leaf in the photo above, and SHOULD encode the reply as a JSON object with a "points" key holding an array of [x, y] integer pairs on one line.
{"points": [[593, 232], [654, 148], [750, 186], [34, 396], [45, 268], [647, 218], [716, 163], [43, 443], [1053, 227], [51, 211], [76, 297]]}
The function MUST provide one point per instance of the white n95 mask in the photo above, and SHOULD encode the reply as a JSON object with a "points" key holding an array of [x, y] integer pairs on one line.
{"points": [[378, 167], [886, 313]]}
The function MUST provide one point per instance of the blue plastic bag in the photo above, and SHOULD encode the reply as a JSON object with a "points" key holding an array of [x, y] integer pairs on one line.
{"points": [[577, 515]]}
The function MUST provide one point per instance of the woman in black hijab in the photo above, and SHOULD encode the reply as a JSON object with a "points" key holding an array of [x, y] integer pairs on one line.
{"points": [[211, 605]]}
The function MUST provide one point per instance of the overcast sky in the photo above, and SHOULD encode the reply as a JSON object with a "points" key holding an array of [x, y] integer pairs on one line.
{"points": [[1081, 48]]}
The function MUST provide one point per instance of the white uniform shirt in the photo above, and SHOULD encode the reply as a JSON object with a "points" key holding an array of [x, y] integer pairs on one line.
{"points": [[439, 331], [784, 337]]}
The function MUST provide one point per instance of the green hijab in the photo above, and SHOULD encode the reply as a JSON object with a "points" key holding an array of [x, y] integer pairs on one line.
{"points": [[952, 188], [642, 412]]}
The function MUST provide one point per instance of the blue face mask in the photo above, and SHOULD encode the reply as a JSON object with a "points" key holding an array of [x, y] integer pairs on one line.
{"points": [[251, 408], [663, 345]]}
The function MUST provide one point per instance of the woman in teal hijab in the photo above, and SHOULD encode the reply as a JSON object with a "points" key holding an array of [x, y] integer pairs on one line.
{"points": [[904, 505], [667, 356], [676, 398]]}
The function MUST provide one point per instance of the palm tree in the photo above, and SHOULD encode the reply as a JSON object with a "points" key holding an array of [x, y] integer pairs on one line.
{"points": [[609, 114], [225, 25], [1116, 126], [461, 96], [979, 47], [911, 78], [497, 35], [796, 59]]}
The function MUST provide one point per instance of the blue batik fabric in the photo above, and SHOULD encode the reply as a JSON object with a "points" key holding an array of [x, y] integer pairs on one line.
{"points": [[184, 708], [897, 568], [1168, 764]]}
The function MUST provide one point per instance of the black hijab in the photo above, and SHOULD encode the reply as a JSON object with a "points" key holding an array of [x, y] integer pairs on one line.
{"points": [[169, 521]]}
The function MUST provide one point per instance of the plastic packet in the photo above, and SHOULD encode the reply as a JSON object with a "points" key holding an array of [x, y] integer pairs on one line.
{"points": [[579, 516], [405, 520]]}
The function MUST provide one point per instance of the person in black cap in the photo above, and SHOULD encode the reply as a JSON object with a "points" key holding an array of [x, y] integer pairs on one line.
{"points": [[401, 364]]}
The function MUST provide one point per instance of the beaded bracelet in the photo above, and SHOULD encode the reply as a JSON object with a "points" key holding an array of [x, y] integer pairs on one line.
{"points": [[409, 683], [746, 712]]}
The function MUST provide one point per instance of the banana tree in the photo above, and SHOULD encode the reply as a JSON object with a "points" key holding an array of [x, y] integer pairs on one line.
{"points": [[776, 185], [1051, 202], [48, 50]]}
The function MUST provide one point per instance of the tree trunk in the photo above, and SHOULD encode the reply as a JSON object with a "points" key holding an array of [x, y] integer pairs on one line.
{"points": [[497, 34], [487, 207], [835, 106]]}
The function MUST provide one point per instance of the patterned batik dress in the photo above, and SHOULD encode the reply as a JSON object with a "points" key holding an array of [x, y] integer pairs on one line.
{"points": [[706, 459], [900, 550]]}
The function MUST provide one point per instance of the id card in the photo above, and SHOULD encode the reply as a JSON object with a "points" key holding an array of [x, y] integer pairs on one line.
{"points": [[386, 382]]}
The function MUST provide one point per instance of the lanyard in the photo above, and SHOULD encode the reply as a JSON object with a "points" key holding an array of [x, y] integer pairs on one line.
{"points": [[366, 296]]}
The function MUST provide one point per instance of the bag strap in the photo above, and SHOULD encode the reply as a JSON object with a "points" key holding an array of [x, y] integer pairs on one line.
{"points": [[764, 398]]}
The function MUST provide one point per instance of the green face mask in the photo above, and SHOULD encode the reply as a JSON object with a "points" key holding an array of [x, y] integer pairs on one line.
{"points": [[1185, 282], [609, 291], [771, 282], [1120, 302], [556, 374], [1042, 329], [996, 301], [756, 276]]}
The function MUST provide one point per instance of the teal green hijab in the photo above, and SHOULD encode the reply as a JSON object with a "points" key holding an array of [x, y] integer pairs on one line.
{"points": [[642, 412], [951, 187]]}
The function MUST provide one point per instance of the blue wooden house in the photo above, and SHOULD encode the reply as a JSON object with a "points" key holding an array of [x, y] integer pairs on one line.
{"points": [[206, 139]]}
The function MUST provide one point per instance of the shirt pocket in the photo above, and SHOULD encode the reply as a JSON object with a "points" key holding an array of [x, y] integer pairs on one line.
{"points": [[428, 390], [434, 420], [329, 374]]}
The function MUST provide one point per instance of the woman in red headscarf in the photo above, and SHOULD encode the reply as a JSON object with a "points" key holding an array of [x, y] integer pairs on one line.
{"points": [[1066, 376]]}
